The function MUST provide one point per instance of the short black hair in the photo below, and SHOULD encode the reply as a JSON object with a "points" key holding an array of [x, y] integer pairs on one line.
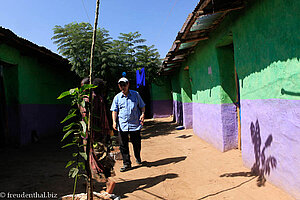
{"points": [[101, 86]]}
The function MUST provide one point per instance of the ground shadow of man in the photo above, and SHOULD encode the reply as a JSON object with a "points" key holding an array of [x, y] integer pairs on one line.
{"points": [[141, 184]]}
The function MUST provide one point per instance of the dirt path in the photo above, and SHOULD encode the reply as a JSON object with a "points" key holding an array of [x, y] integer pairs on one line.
{"points": [[177, 165], [181, 166]]}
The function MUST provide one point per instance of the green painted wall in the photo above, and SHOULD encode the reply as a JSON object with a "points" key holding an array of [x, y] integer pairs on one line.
{"points": [[11, 85], [206, 87], [35, 81], [185, 85], [162, 90], [266, 54], [270, 31], [181, 85], [225, 56], [176, 89]]}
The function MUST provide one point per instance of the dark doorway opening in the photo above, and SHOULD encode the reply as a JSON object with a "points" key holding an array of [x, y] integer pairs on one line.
{"points": [[230, 84], [9, 104], [3, 113]]}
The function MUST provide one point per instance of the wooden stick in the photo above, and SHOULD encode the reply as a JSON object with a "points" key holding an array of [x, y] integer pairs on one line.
{"points": [[89, 187]]}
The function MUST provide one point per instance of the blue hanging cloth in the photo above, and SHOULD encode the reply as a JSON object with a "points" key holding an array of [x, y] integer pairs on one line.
{"points": [[140, 78]]}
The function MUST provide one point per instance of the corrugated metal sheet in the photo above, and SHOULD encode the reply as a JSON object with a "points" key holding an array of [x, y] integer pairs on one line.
{"points": [[205, 17], [205, 21], [187, 45]]}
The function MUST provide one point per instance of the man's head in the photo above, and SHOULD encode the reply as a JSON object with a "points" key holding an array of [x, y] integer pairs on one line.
{"points": [[101, 86], [124, 85]]}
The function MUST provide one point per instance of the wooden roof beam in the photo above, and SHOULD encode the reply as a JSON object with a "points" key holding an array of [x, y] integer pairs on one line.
{"points": [[175, 61], [193, 39], [228, 9], [179, 52]]}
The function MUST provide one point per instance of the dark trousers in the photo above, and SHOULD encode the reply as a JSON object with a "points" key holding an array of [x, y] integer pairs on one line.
{"points": [[135, 138]]}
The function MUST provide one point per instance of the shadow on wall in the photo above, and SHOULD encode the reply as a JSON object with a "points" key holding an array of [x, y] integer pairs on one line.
{"points": [[262, 165], [283, 91]]}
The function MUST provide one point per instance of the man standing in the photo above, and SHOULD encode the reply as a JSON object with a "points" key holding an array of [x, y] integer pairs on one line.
{"points": [[128, 113]]}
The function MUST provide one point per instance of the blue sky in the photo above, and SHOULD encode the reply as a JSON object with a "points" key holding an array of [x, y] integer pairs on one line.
{"points": [[157, 20]]}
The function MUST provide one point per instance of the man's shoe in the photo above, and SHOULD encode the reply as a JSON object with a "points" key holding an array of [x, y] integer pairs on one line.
{"points": [[125, 168], [139, 162]]}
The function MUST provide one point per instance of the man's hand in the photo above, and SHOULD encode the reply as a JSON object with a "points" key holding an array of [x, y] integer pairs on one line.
{"points": [[114, 118], [142, 118], [115, 125]]}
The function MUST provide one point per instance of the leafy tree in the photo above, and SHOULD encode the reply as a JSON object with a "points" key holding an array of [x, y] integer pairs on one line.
{"points": [[74, 42], [126, 47], [127, 53], [148, 57]]}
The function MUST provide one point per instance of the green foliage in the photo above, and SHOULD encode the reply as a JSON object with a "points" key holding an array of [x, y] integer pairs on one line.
{"points": [[77, 128], [74, 42], [148, 58], [127, 53]]}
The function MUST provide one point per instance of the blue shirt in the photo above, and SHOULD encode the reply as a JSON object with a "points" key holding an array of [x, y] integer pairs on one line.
{"points": [[128, 109]]}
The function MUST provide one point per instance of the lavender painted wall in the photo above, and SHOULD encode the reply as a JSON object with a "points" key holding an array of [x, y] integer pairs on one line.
{"points": [[44, 118], [216, 124], [271, 128], [162, 108], [13, 121], [188, 115], [207, 123], [229, 126]]}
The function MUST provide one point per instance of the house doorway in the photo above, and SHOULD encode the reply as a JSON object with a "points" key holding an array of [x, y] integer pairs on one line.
{"points": [[3, 114], [230, 98], [9, 104], [238, 108]]}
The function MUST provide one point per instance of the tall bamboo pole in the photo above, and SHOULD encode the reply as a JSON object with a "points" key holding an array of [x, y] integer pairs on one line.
{"points": [[89, 187]]}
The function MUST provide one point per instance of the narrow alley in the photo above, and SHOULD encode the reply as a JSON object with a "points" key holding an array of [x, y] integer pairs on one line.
{"points": [[177, 165]]}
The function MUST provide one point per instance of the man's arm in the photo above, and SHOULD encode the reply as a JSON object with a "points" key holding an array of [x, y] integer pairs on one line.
{"points": [[114, 118]]}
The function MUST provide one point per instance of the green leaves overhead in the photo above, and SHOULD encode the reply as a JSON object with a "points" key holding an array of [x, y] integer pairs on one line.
{"points": [[127, 53], [74, 42]]}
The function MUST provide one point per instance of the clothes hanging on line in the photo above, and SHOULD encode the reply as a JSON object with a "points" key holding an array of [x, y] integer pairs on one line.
{"points": [[140, 77]]}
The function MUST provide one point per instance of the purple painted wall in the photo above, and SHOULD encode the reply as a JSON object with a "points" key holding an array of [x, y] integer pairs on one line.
{"points": [[44, 119], [229, 126], [188, 115], [216, 124], [13, 121], [162, 108], [207, 123], [270, 140]]}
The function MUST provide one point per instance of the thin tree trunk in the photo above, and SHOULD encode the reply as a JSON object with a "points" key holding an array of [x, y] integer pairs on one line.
{"points": [[89, 142]]}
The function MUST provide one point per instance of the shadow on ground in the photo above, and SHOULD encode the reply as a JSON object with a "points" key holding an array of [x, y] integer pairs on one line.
{"points": [[227, 189], [184, 136], [129, 186], [161, 162], [245, 174], [156, 128], [165, 161], [38, 168]]}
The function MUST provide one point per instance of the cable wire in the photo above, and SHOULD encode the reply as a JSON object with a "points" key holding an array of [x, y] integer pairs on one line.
{"points": [[167, 19], [86, 11]]}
